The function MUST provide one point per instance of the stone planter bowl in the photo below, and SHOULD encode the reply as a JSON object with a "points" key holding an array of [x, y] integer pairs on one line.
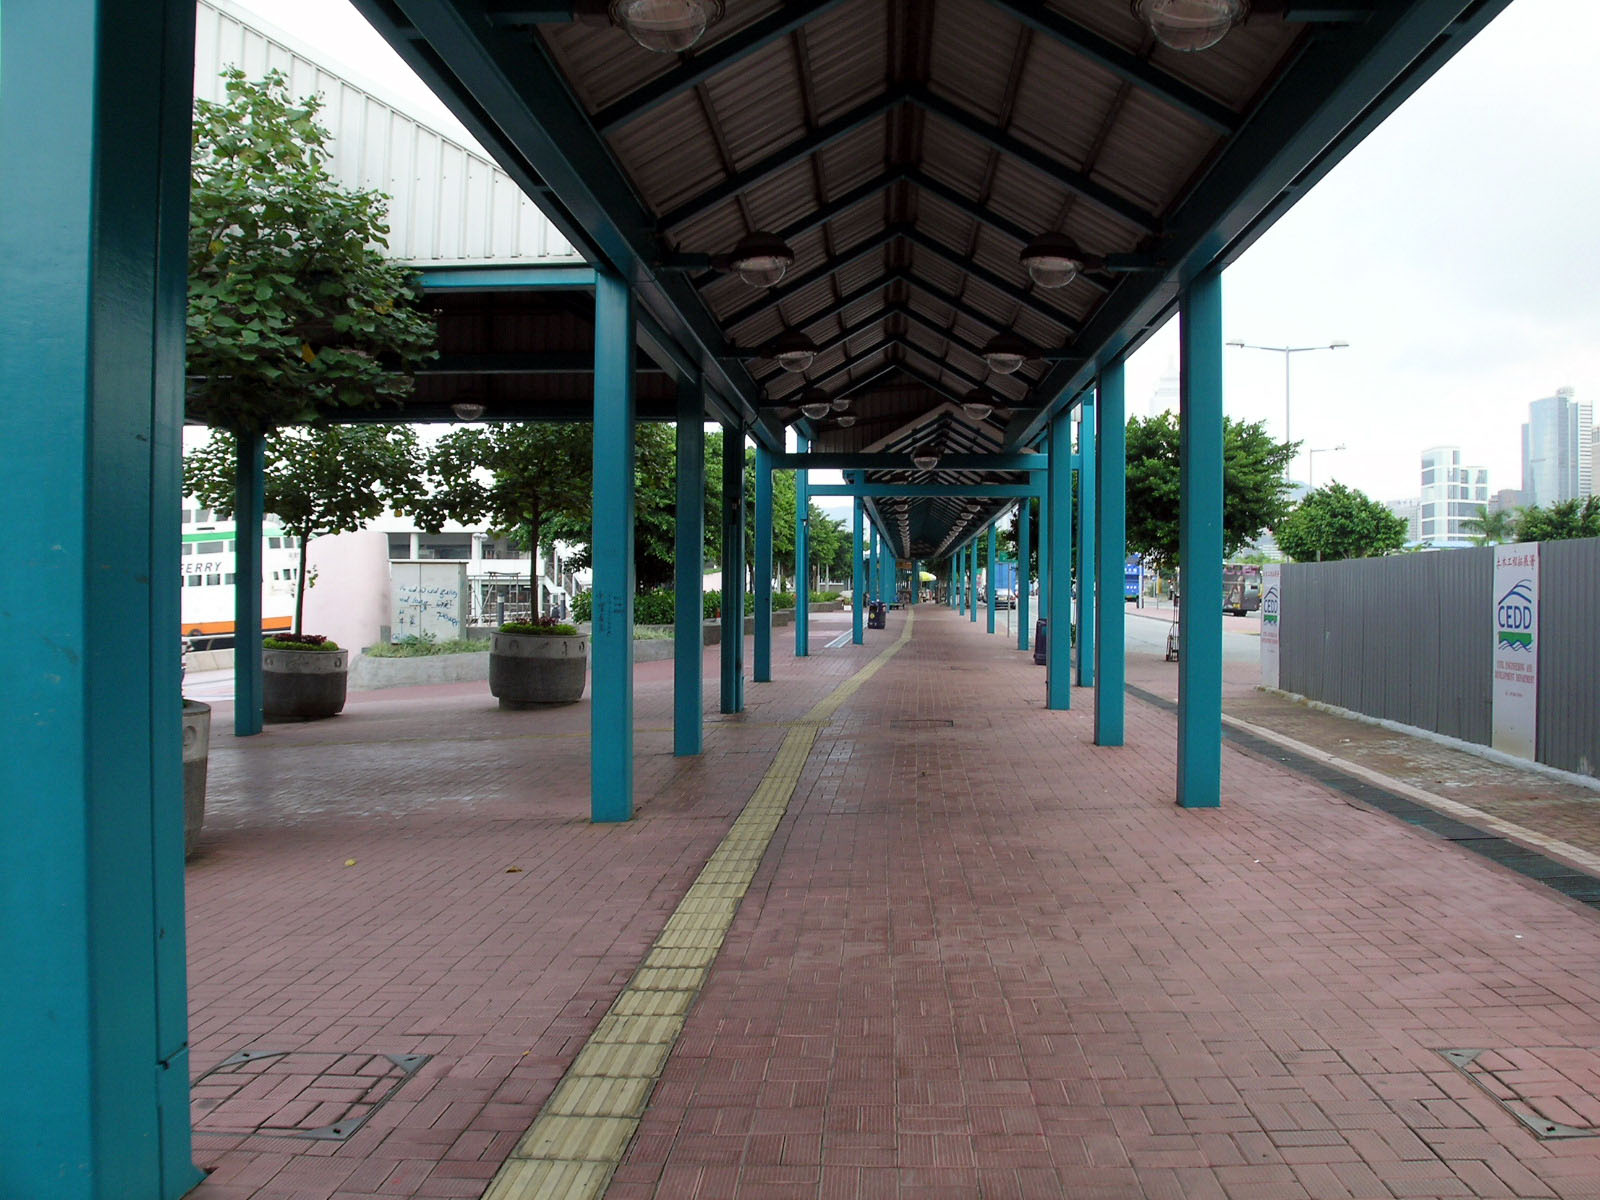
{"points": [[196, 753], [526, 670], [303, 685]]}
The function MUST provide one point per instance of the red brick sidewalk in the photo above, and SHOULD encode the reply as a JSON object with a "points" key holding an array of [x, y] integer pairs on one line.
{"points": [[982, 957]]}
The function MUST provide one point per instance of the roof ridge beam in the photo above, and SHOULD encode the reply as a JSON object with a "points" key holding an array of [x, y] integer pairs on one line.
{"points": [[954, 302], [697, 68], [1140, 72], [797, 151], [997, 139]]}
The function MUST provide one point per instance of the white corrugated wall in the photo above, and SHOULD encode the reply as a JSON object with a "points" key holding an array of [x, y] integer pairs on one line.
{"points": [[450, 203]]}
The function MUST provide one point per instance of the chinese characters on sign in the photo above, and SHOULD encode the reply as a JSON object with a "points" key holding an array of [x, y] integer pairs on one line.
{"points": [[1271, 618]]}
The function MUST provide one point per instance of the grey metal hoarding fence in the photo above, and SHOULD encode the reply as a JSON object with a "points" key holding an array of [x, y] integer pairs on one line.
{"points": [[1410, 639]]}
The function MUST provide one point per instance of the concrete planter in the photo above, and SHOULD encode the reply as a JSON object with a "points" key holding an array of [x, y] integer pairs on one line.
{"points": [[526, 670], [196, 752], [303, 685]]}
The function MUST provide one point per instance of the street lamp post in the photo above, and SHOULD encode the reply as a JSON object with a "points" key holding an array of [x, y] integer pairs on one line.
{"points": [[1288, 352], [1311, 461]]}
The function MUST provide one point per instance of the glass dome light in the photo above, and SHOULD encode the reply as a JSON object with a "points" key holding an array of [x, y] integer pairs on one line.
{"points": [[840, 403], [1190, 25], [761, 259], [847, 420], [816, 409], [466, 410], [1052, 260], [925, 459], [978, 404], [794, 350], [665, 26], [1006, 353]]}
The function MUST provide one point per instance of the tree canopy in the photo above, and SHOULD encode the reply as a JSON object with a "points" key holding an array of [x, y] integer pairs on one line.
{"points": [[1566, 519], [1254, 489], [294, 310], [319, 481], [1337, 522]]}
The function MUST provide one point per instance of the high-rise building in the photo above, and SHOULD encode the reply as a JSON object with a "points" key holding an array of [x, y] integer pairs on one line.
{"points": [[1558, 449], [1409, 511], [1451, 495]]}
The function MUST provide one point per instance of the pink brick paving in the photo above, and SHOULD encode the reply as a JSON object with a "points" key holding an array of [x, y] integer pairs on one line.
{"points": [[982, 959]]}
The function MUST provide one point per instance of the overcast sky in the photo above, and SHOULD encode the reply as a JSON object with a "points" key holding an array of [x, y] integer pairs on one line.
{"points": [[1457, 250]]}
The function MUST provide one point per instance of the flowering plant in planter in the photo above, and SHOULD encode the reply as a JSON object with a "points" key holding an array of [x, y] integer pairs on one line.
{"points": [[298, 641], [542, 661]]}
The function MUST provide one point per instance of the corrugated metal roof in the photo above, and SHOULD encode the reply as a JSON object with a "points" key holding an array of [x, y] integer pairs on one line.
{"points": [[449, 202]]}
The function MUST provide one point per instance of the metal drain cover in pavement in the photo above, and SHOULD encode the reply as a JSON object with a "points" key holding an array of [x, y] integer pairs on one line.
{"points": [[1553, 1090], [298, 1094]]}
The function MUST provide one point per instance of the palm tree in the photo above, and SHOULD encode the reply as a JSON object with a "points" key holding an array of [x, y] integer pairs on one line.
{"points": [[1492, 528]]}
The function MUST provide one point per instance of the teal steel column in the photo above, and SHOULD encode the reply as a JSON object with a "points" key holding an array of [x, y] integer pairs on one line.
{"points": [[732, 569], [250, 482], [763, 549], [1044, 556], [611, 649], [874, 571], [1058, 607], [1200, 542], [972, 580], [802, 557], [94, 137], [1110, 510], [958, 581], [858, 581], [688, 633], [1024, 574], [1086, 544], [916, 580], [988, 576]]}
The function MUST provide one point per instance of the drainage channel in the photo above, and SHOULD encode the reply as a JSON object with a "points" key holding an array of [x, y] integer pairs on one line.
{"points": [[1530, 863]]}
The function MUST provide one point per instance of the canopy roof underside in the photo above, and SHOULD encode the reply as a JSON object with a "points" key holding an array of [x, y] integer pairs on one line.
{"points": [[907, 150]]}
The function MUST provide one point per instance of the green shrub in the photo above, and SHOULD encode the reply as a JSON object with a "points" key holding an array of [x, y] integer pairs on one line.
{"points": [[417, 647], [298, 641], [655, 607], [782, 599], [540, 627], [712, 604], [583, 606], [824, 597]]}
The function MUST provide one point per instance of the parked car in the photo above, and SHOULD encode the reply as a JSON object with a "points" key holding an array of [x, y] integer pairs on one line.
{"points": [[1005, 598]]}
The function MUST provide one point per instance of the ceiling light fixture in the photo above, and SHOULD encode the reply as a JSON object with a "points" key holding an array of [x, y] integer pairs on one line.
{"points": [[978, 404], [666, 26], [847, 420], [1052, 260], [760, 259], [1006, 353], [1190, 25], [816, 409], [925, 459], [793, 350], [840, 403], [466, 410]]}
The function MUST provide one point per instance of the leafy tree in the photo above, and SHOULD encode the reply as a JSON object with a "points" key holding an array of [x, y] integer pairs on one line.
{"points": [[294, 311], [1492, 528], [1337, 522], [828, 544], [318, 481], [1568, 519], [538, 476], [1253, 486]]}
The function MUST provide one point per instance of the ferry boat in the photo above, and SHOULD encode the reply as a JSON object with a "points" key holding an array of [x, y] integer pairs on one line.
{"points": [[208, 569]]}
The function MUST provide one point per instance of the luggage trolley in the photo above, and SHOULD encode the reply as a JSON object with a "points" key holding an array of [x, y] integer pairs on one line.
{"points": [[1172, 632]]}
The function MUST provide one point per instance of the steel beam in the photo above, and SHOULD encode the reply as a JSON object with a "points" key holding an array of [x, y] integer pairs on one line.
{"points": [[979, 491], [694, 69], [989, 279], [551, 362], [802, 555], [793, 287], [95, 97], [1087, 573], [817, 460], [1200, 468], [988, 575], [817, 140], [1110, 510], [688, 669], [611, 640], [732, 654], [763, 564], [249, 513], [1024, 573], [573, 277], [1124, 64], [1058, 606], [858, 580]]}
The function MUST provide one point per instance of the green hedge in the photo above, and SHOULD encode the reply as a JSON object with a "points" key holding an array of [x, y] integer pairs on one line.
{"points": [[659, 607]]}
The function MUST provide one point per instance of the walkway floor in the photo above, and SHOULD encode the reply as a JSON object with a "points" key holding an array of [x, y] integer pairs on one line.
{"points": [[980, 956]]}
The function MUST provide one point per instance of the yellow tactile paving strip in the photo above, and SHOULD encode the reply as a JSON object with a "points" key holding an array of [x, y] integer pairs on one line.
{"points": [[578, 1139]]}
